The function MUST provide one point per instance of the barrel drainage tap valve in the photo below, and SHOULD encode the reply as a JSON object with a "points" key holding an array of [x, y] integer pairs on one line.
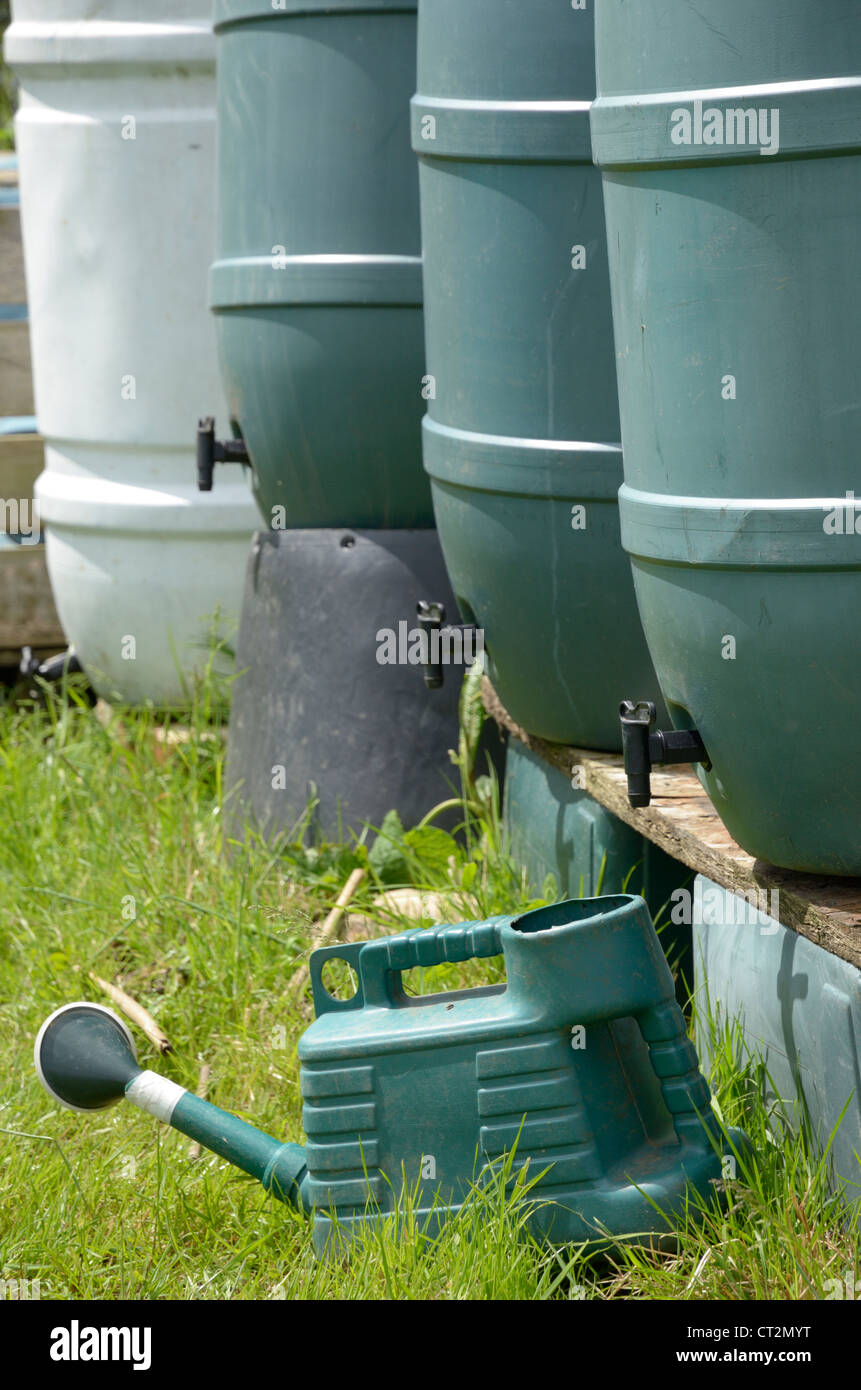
{"points": [[645, 748], [431, 617], [53, 670], [211, 451]]}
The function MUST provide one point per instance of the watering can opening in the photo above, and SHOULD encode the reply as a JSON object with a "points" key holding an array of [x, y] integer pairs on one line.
{"points": [[573, 913]]}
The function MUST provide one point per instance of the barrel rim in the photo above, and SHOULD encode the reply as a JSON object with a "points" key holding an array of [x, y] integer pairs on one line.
{"points": [[52, 44], [336, 279], [817, 118], [68, 502], [743, 533], [534, 132], [565, 470], [229, 12]]}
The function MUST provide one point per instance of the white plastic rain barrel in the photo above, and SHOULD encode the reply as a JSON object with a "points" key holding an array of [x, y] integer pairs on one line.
{"points": [[115, 140]]}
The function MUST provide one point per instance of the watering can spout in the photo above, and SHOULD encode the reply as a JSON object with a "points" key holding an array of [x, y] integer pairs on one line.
{"points": [[86, 1059]]}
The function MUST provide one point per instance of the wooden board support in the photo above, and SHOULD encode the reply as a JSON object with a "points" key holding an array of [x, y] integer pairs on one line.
{"points": [[27, 613], [16, 380], [682, 821], [13, 288], [22, 458], [16, 384]]}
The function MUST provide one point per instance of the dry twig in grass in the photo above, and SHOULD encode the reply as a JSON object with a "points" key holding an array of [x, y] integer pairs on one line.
{"points": [[331, 927], [136, 1012]]}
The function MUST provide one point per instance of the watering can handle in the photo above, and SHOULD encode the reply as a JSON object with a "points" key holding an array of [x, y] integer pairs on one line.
{"points": [[434, 945], [457, 942], [375, 962]]}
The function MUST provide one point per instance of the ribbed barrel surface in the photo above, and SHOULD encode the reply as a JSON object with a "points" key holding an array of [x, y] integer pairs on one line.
{"points": [[521, 434], [317, 282], [728, 138]]}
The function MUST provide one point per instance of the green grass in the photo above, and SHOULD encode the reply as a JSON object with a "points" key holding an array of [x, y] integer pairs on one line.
{"points": [[111, 861]]}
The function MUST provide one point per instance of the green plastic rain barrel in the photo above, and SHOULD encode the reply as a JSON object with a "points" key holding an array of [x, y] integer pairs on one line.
{"points": [[729, 137], [316, 285], [521, 436]]}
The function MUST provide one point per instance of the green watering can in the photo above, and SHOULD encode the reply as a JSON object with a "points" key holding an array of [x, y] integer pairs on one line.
{"points": [[579, 1065]]}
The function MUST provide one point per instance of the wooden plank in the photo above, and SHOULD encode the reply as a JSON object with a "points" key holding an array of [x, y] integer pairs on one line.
{"points": [[22, 458], [13, 288], [27, 613], [16, 380], [682, 821]]}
